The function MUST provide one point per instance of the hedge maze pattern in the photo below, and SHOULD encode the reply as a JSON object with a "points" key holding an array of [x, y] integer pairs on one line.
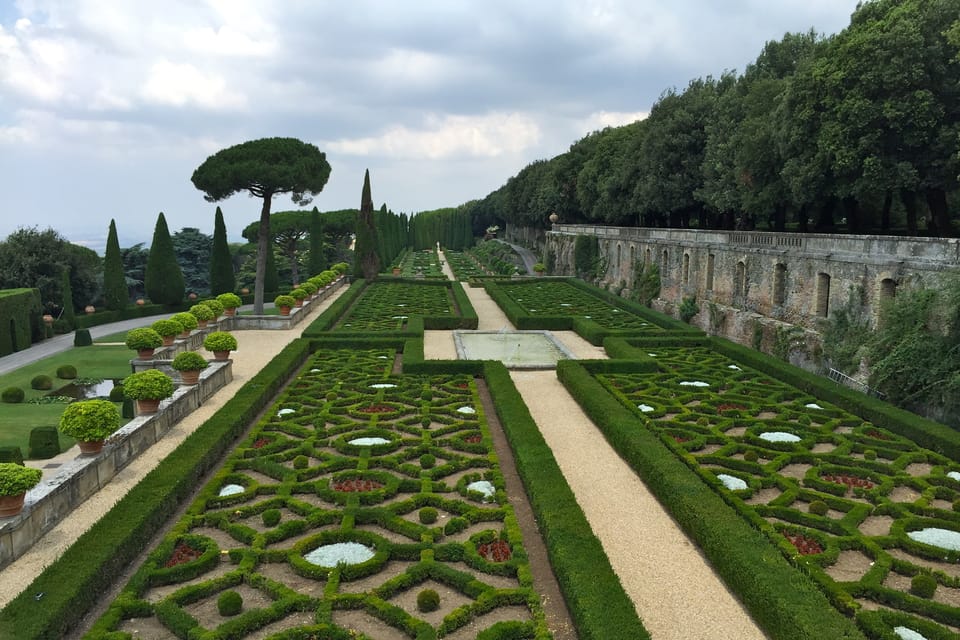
{"points": [[387, 306], [557, 298]]}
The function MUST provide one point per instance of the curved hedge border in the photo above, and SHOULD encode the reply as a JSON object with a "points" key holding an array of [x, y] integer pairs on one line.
{"points": [[787, 604], [76, 581]]}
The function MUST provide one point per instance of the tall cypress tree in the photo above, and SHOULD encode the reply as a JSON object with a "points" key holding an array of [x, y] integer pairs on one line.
{"points": [[221, 264], [366, 261], [163, 279], [69, 313], [115, 293], [317, 261]]}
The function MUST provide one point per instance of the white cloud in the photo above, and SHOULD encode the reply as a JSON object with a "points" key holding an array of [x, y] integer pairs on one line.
{"points": [[227, 41], [446, 136], [180, 84], [602, 119]]}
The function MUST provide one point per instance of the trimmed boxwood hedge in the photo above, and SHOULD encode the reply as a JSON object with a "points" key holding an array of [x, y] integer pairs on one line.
{"points": [[104, 551]]}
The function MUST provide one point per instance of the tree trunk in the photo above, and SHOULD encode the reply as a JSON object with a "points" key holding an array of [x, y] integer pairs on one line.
{"points": [[909, 199], [780, 217], [885, 214], [940, 217], [825, 216], [263, 245], [802, 224]]}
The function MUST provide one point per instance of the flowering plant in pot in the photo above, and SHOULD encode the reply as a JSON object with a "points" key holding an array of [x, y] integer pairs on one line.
{"points": [[187, 320], [189, 364], [168, 330], [145, 340], [230, 302], [284, 303], [202, 313], [90, 422], [15, 481], [221, 343], [148, 388]]}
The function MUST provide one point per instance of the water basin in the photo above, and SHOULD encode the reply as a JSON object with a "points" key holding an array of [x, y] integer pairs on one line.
{"points": [[515, 349]]}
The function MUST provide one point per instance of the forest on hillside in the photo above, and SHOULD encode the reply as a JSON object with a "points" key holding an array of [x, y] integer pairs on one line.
{"points": [[858, 132]]}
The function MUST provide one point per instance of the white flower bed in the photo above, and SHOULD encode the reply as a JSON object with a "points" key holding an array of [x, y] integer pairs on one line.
{"points": [[734, 367], [955, 475], [779, 436], [285, 412], [483, 486], [231, 490], [368, 442], [382, 358], [645, 408], [934, 536], [731, 482], [331, 555], [812, 405], [694, 383], [908, 634], [467, 410], [382, 385]]}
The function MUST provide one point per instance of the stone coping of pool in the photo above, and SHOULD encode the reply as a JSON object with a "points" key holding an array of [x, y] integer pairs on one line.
{"points": [[523, 349], [77, 479]]}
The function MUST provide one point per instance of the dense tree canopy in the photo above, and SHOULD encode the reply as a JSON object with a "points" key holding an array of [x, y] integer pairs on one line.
{"points": [[162, 277], [264, 168], [193, 249], [857, 132]]}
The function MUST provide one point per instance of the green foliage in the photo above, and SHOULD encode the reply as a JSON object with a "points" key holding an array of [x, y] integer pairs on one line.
{"points": [[427, 515], [143, 338], [688, 308], [90, 420], [67, 304], [301, 462], [539, 267], [222, 279], [229, 300], [150, 384], [163, 278], [283, 300], [41, 382], [115, 294], [845, 332], [298, 293], [317, 259], [20, 321], [44, 443], [215, 306], [427, 460], [167, 327], [923, 585], [16, 479], [187, 320], [229, 603], [367, 262], [819, 507], [82, 338], [646, 283], [271, 517], [189, 361], [13, 395], [428, 600], [201, 312], [220, 341], [11, 454], [66, 372]]}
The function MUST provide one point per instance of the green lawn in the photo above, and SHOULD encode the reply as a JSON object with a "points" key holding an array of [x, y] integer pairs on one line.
{"points": [[16, 420]]}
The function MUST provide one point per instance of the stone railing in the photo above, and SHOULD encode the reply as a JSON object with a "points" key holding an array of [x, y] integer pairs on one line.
{"points": [[76, 480]]}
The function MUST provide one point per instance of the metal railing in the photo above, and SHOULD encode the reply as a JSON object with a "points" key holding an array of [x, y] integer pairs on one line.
{"points": [[841, 378]]}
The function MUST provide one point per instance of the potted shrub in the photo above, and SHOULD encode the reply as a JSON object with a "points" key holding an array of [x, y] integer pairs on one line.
{"points": [[539, 268], [231, 302], [189, 364], [145, 340], [395, 269], [188, 321], [168, 329], [310, 288], [202, 313], [284, 303], [148, 388], [90, 422], [299, 295], [221, 343], [15, 481], [214, 306]]}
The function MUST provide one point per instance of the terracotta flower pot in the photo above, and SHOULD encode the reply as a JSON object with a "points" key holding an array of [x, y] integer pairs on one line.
{"points": [[91, 447], [221, 355], [190, 377], [202, 324], [284, 311], [145, 354], [168, 340], [11, 505], [145, 407], [230, 312], [185, 333], [299, 303]]}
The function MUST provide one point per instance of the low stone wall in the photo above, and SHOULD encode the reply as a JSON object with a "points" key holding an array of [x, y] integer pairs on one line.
{"points": [[78, 479]]}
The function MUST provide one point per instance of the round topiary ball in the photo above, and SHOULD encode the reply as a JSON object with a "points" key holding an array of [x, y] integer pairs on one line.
{"points": [[428, 515], [301, 462], [66, 372], [41, 382], [750, 455], [819, 508], [116, 393], [425, 423], [869, 454], [230, 603], [271, 517], [13, 395], [428, 600], [427, 460], [923, 585]]}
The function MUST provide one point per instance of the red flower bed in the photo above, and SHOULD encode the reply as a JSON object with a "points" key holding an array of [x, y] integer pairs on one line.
{"points": [[351, 485], [806, 546], [873, 433], [730, 407], [377, 408], [474, 439], [260, 443], [496, 551], [182, 553], [850, 481], [680, 439]]}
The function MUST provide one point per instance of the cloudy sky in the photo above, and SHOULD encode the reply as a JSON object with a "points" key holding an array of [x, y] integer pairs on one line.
{"points": [[107, 106]]}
